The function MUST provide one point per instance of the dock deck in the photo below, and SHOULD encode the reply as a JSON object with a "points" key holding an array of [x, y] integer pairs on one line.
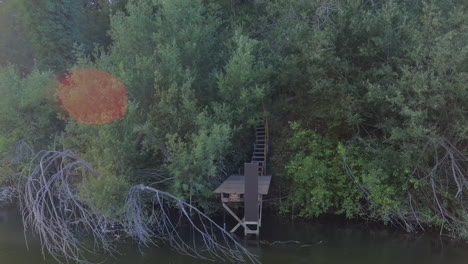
{"points": [[236, 184]]}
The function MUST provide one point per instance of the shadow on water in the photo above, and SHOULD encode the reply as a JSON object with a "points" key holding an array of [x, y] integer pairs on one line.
{"points": [[278, 243]]}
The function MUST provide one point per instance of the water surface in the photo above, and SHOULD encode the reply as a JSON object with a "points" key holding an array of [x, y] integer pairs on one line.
{"points": [[319, 243]]}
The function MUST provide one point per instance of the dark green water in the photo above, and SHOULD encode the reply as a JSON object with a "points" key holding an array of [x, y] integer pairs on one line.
{"points": [[320, 243]]}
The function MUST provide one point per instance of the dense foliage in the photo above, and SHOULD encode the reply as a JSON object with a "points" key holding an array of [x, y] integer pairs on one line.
{"points": [[367, 100]]}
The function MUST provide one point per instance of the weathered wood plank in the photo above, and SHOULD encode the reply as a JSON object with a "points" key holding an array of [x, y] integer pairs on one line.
{"points": [[251, 192], [236, 184]]}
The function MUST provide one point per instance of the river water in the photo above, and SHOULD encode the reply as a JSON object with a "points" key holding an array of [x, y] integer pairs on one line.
{"points": [[318, 243]]}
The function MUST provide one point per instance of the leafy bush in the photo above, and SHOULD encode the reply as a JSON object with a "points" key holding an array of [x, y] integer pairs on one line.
{"points": [[112, 151], [27, 108], [106, 193], [320, 183]]}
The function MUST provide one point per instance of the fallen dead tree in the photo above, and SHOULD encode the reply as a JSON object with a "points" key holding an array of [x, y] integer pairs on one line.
{"points": [[51, 208], [8, 194], [148, 225], [48, 197]]}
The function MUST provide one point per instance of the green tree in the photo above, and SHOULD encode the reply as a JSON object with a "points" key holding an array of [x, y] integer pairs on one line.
{"points": [[320, 183], [15, 44], [27, 108], [56, 28]]}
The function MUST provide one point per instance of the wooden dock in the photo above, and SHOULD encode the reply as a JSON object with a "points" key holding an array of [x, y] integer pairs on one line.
{"points": [[249, 187], [235, 184]]}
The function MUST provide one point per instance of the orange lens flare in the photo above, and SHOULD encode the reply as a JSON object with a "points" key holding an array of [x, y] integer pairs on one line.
{"points": [[93, 97]]}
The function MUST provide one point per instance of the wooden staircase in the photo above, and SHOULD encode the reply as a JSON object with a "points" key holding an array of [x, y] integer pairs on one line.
{"points": [[260, 151]]}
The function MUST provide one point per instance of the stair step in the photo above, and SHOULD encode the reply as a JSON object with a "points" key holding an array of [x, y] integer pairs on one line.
{"points": [[259, 154]]}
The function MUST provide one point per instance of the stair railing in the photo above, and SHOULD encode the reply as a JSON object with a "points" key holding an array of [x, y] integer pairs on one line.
{"points": [[267, 139]]}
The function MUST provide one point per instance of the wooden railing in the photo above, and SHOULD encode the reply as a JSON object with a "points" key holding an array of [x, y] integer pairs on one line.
{"points": [[267, 139]]}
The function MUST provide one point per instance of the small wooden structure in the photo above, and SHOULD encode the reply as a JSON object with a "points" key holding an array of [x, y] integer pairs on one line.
{"points": [[233, 188], [250, 187]]}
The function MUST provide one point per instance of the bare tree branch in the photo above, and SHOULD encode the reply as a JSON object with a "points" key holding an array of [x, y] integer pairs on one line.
{"points": [[48, 196], [151, 225]]}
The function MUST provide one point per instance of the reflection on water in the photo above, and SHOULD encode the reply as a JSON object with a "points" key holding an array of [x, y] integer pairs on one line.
{"points": [[320, 243]]}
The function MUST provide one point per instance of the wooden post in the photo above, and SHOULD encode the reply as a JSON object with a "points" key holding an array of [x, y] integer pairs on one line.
{"points": [[251, 192], [251, 201]]}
